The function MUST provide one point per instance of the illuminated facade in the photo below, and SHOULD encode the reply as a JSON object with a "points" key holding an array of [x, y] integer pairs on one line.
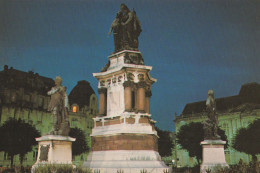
{"points": [[24, 95], [234, 112]]}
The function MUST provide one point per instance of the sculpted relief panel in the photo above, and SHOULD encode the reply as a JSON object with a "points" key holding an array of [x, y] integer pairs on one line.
{"points": [[115, 100]]}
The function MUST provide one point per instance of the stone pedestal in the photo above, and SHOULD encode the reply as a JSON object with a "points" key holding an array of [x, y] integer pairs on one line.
{"points": [[125, 140], [126, 161], [212, 154], [54, 149]]}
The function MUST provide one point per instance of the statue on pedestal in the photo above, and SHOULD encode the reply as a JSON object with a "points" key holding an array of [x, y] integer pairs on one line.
{"points": [[211, 123], [59, 107], [126, 29]]}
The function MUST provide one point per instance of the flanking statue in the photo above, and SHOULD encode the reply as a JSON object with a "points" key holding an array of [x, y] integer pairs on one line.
{"points": [[126, 29], [59, 106], [55, 147], [211, 123]]}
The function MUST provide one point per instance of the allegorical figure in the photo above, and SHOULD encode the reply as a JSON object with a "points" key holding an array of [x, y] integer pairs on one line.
{"points": [[126, 29], [59, 106], [116, 28], [211, 123]]}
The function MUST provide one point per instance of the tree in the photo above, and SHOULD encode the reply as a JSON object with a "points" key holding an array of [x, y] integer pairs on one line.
{"points": [[247, 140], [80, 145], [190, 136], [17, 137], [165, 142]]}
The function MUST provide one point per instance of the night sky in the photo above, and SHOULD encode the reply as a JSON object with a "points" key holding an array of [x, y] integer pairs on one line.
{"points": [[193, 45]]}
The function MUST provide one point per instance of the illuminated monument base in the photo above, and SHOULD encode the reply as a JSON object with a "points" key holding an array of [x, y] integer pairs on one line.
{"points": [[127, 161], [124, 139]]}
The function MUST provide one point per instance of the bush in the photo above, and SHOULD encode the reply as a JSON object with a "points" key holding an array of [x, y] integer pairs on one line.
{"points": [[16, 169], [241, 167], [59, 168], [17, 137], [247, 140], [195, 169], [190, 136]]}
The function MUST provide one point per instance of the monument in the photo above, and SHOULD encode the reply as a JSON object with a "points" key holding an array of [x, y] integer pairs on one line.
{"points": [[124, 138], [212, 147], [56, 146]]}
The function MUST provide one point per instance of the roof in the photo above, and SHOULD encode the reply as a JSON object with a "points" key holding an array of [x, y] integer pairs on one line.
{"points": [[81, 93], [30, 81], [248, 98]]}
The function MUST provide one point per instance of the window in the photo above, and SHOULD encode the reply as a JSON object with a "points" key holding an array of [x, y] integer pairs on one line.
{"points": [[74, 123], [40, 101], [5, 156], [27, 98], [74, 109], [35, 153], [39, 118]]}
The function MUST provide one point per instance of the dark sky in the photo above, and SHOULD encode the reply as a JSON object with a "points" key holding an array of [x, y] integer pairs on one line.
{"points": [[193, 45]]}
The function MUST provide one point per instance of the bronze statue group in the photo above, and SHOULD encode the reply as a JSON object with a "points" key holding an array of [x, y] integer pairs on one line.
{"points": [[126, 29]]}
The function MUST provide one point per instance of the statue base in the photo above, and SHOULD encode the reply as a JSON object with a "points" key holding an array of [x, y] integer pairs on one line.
{"points": [[122, 58], [212, 155], [126, 161], [54, 149]]}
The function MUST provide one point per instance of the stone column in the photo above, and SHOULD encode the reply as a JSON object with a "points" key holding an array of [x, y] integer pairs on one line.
{"points": [[128, 95], [102, 101], [148, 94], [141, 97]]}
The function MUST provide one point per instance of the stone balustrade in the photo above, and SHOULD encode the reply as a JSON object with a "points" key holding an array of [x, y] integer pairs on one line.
{"points": [[123, 119]]}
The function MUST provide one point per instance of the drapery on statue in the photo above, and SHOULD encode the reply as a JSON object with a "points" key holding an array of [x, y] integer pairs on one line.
{"points": [[59, 107], [126, 29], [211, 123]]}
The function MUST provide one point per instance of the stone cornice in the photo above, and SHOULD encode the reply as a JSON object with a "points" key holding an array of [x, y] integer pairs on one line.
{"points": [[118, 68], [141, 84], [124, 51], [148, 93], [102, 90], [128, 84]]}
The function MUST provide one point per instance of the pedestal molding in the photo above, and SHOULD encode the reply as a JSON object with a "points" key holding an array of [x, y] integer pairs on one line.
{"points": [[212, 154], [55, 138]]}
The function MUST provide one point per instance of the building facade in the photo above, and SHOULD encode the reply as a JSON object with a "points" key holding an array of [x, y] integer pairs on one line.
{"points": [[233, 112], [24, 95]]}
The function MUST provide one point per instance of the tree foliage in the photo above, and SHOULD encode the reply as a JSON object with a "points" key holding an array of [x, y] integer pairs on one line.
{"points": [[165, 142], [247, 140], [17, 137], [190, 136], [80, 145]]}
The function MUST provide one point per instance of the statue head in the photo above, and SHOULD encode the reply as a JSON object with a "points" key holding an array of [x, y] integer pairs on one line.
{"points": [[119, 15], [124, 8], [58, 81], [211, 93]]}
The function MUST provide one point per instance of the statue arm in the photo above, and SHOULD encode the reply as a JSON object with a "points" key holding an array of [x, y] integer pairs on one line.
{"points": [[53, 90], [130, 17], [112, 26], [66, 100], [110, 30]]}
